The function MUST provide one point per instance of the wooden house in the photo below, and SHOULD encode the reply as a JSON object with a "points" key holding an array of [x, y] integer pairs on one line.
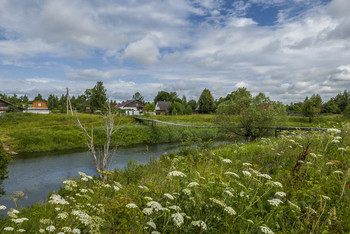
{"points": [[38, 107], [131, 107], [4, 105], [162, 108]]}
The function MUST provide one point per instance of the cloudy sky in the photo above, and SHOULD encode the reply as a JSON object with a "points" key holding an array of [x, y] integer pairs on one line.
{"points": [[287, 49]]}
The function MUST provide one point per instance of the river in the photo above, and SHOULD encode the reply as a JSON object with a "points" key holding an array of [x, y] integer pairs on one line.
{"points": [[38, 174]]}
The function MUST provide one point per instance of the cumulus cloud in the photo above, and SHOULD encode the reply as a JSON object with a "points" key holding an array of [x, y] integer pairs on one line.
{"points": [[89, 74], [144, 52]]}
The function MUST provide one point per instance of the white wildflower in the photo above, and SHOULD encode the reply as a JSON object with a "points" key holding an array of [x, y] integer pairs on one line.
{"points": [[192, 184], [131, 206], [186, 191], [313, 155], [337, 138], [338, 172], [143, 187], [226, 160], [333, 130], [45, 221], [83, 190], [174, 207], [76, 231], [308, 163], [278, 184], [169, 196], [178, 219], [21, 230], [220, 203], [57, 199], [107, 185], [67, 229], [330, 163], [155, 232], [147, 211], [341, 149], [8, 229], [335, 141], [148, 198], [84, 179], [62, 215], [265, 229], [228, 193], [247, 173], [280, 194], [176, 174], [51, 228], [301, 161], [247, 164], [154, 205], [82, 216], [152, 224], [116, 188], [325, 197], [41, 230], [71, 183], [275, 202], [2, 207], [199, 223], [231, 173], [230, 210], [265, 176], [57, 209]]}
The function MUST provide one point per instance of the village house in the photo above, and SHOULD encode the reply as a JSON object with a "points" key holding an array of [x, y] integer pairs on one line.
{"points": [[4, 105], [162, 108], [131, 107], [38, 107]]}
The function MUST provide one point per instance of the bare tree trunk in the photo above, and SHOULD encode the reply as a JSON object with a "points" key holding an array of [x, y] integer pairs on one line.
{"points": [[110, 131]]}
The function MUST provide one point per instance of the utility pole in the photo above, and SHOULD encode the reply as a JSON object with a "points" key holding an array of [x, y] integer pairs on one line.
{"points": [[69, 104]]}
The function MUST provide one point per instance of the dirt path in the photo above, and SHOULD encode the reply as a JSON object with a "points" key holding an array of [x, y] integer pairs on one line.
{"points": [[8, 150]]}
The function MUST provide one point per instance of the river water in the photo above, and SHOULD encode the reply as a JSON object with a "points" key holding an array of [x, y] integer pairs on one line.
{"points": [[38, 174]]}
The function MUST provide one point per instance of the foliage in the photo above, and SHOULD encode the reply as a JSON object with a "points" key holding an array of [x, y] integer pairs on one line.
{"points": [[206, 102], [312, 106], [5, 159], [284, 185], [149, 107], [138, 96], [165, 96], [347, 111], [257, 117], [98, 97]]}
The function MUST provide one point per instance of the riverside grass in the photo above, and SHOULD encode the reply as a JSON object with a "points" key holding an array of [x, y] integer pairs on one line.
{"points": [[239, 188]]}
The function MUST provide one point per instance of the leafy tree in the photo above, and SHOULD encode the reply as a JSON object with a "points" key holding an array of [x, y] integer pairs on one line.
{"points": [[184, 100], [206, 102], [5, 159], [257, 115], [138, 96], [188, 110], [149, 107], [193, 104], [347, 111], [38, 98], [98, 97], [296, 107], [312, 106], [52, 102], [331, 107], [178, 107], [162, 96]]}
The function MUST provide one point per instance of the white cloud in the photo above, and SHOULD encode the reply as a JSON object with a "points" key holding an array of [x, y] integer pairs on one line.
{"points": [[89, 74]]}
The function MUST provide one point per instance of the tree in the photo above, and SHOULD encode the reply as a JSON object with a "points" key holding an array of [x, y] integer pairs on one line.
{"points": [[193, 104], [188, 110], [178, 107], [52, 102], [162, 96], [312, 106], [257, 115], [38, 98], [138, 96], [98, 97], [149, 107], [347, 111], [5, 159], [206, 102]]}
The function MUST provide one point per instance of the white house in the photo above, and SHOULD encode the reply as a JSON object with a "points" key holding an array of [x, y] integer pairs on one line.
{"points": [[131, 107]]}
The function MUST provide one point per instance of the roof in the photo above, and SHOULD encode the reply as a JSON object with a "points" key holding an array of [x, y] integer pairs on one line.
{"points": [[162, 105], [39, 104], [10, 104], [126, 103]]}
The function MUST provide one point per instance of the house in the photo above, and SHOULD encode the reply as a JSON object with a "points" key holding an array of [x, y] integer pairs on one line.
{"points": [[38, 107], [131, 107], [162, 108], [4, 105]]}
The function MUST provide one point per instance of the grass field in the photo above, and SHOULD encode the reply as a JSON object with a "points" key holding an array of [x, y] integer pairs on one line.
{"points": [[297, 183]]}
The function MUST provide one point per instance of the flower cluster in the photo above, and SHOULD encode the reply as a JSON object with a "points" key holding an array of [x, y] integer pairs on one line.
{"points": [[178, 219], [176, 174], [199, 223]]}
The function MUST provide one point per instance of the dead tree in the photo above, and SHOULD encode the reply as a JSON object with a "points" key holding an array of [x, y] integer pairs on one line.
{"points": [[101, 159]]}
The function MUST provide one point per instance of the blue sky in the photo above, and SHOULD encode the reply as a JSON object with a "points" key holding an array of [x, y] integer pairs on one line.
{"points": [[287, 49]]}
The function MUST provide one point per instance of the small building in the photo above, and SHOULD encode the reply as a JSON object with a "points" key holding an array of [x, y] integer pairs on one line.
{"points": [[162, 108], [4, 105], [38, 107], [131, 107]]}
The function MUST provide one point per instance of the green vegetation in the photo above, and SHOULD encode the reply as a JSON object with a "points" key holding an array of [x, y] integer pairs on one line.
{"points": [[5, 159], [298, 183]]}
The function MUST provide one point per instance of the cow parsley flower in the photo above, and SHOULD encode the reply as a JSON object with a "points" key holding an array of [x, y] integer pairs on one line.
{"points": [[333, 130], [154, 205], [67, 229], [178, 219], [147, 211], [275, 202], [148, 198], [176, 174], [51, 228], [220, 203], [199, 223], [335, 141], [325, 197], [2, 207], [116, 188], [186, 191], [21, 230], [231, 173], [226, 160], [169, 196], [76, 231], [228, 193], [131, 206], [152, 224], [247, 173], [57, 199], [278, 184], [143, 187], [338, 172], [247, 164], [8, 229], [176, 208], [230, 210], [280, 194], [62, 215], [265, 176], [192, 184], [265, 229]]}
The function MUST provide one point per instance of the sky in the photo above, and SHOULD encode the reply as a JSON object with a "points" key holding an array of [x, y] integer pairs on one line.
{"points": [[287, 49]]}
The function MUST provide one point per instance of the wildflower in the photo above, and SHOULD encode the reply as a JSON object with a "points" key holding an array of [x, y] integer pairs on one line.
{"points": [[275, 202], [84, 179], [220, 203], [45, 221], [178, 219], [155, 232], [333, 130], [51, 228], [199, 223], [300, 161], [83, 190], [154, 205], [76, 231], [143, 187], [192, 184], [21, 230], [57, 199], [293, 141], [337, 138], [41, 230], [2, 207], [228, 193], [280, 194], [82, 174], [82, 216], [335, 141], [12, 213], [278, 184], [176, 173], [247, 164], [62, 215], [265, 229], [71, 183], [325, 197], [226, 160], [152, 224], [308, 163], [330, 163], [107, 185], [231, 173], [8, 229], [148, 198], [313, 155], [338, 172], [169, 196], [230, 210], [341, 149], [247, 173], [19, 220], [174, 207], [249, 221], [147, 211], [67, 229], [131, 206], [57, 209], [265, 176], [186, 191], [116, 188]]}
